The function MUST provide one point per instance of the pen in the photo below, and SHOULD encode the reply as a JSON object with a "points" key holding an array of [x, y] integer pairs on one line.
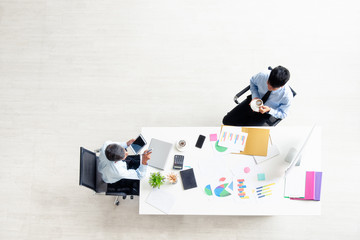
{"points": [[265, 186]]}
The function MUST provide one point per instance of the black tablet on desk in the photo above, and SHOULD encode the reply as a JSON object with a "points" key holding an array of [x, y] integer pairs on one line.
{"points": [[188, 179]]}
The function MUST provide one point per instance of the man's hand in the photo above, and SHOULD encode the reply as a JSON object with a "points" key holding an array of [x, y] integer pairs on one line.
{"points": [[145, 157], [130, 142], [264, 109]]}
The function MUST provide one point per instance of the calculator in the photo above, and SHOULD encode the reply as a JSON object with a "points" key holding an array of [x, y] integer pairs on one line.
{"points": [[178, 162]]}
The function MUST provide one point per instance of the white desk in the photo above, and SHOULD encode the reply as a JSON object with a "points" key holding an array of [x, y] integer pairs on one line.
{"points": [[196, 202]]}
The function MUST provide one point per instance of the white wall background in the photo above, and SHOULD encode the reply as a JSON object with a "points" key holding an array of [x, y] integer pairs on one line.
{"points": [[76, 73]]}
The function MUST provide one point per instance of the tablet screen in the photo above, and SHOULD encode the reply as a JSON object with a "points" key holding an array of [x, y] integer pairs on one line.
{"points": [[138, 144]]}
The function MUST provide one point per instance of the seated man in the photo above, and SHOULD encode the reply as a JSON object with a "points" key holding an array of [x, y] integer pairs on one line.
{"points": [[115, 164], [277, 96]]}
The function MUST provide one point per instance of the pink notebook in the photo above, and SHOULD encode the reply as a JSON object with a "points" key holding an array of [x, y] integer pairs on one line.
{"points": [[312, 186]]}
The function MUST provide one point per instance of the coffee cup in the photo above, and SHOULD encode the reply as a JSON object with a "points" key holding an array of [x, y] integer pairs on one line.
{"points": [[259, 102], [181, 145], [255, 104]]}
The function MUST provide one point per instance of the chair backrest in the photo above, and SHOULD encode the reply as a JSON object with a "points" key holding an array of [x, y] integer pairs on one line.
{"points": [[88, 169]]}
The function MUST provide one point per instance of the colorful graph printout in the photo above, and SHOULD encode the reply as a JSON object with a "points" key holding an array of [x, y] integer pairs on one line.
{"points": [[264, 191], [208, 190], [241, 188], [233, 138], [219, 148], [222, 190]]}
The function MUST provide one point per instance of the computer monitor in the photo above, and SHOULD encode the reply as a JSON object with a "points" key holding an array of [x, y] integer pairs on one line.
{"points": [[294, 156]]}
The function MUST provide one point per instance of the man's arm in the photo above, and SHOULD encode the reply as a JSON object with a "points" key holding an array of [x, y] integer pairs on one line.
{"points": [[254, 81], [140, 172], [281, 112]]}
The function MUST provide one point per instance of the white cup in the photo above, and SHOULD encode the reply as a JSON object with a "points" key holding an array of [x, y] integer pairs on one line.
{"points": [[181, 145], [255, 104]]}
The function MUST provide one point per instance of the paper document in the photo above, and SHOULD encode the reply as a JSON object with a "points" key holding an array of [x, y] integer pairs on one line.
{"points": [[295, 184], [257, 141], [233, 138], [161, 199], [272, 152]]}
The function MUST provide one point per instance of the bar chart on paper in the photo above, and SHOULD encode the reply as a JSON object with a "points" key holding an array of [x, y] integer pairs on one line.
{"points": [[233, 138], [242, 189]]}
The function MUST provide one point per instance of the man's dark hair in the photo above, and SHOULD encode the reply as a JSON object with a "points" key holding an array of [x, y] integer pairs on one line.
{"points": [[114, 152], [279, 77]]}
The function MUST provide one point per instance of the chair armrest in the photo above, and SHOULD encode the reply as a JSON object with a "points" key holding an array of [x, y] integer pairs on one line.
{"points": [[241, 93], [293, 92]]}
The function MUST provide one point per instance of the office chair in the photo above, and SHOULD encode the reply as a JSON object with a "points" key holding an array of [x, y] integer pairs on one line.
{"points": [[272, 120], [91, 178]]}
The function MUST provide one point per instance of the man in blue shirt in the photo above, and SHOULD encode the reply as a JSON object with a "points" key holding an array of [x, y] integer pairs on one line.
{"points": [[276, 94], [115, 164]]}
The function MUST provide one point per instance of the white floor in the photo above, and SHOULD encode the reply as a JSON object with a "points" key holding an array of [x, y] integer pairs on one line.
{"points": [[77, 73]]}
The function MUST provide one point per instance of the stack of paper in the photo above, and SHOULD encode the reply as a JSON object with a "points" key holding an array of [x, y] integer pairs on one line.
{"points": [[312, 186], [295, 184], [161, 199], [272, 152], [303, 186]]}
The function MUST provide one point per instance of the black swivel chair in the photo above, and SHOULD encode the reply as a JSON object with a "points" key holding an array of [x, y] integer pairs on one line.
{"points": [[91, 178], [272, 121]]}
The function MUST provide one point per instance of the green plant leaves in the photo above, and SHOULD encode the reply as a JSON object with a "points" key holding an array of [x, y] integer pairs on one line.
{"points": [[156, 180]]}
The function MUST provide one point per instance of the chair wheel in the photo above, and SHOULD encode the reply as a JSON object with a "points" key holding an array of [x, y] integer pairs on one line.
{"points": [[124, 197], [117, 203], [131, 197]]}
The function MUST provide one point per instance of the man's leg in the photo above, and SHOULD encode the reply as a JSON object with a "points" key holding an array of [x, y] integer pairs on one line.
{"points": [[239, 115], [257, 119]]}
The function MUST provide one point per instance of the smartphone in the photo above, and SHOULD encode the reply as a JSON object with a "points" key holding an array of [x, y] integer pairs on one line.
{"points": [[138, 144], [200, 141]]}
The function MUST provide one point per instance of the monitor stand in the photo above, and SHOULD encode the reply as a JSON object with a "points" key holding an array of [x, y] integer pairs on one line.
{"points": [[290, 156]]}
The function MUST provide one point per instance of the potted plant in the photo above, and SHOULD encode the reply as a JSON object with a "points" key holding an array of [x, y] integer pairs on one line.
{"points": [[172, 177], [156, 180]]}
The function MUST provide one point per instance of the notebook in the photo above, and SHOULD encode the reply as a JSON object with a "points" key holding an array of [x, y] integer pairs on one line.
{"points": [[188, 179]]}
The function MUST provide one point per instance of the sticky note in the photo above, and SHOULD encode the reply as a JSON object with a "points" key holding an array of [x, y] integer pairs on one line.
{"points": [[261, 176], [213, 137]]}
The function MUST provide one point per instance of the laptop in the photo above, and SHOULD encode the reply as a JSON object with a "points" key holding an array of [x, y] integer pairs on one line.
{"points": [[160, 153]]}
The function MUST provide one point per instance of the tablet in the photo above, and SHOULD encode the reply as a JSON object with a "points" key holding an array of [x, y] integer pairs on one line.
{"points": [[138, 144]]}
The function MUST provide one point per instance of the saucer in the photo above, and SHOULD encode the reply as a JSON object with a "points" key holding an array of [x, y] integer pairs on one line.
{"points": [[178, 147], [253, 105], [181, 149]]}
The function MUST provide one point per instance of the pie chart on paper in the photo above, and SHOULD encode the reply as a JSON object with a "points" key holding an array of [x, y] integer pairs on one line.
{"points": [[219, 148], [208, 190], [220, 191]]}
